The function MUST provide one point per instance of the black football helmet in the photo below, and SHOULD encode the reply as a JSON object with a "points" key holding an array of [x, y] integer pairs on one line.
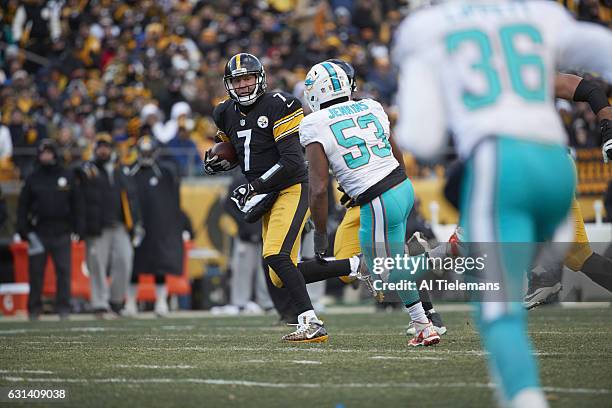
{"points": [[348, 69], [244, 64], [148, 150]]}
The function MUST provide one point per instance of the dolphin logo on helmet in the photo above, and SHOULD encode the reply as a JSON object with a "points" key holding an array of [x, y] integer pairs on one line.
{"points": [[325, 82]]}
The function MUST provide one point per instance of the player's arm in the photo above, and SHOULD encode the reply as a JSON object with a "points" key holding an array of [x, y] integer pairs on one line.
{"points": [[318, 178], [591, 91], [212, 163], [565, 85], [585, 47], [290, 162], [575, 88], [285, 131], [421, 125], [422, 118]]}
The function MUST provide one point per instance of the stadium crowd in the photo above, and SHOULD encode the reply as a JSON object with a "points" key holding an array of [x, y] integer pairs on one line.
{"points": [[70, 70]]}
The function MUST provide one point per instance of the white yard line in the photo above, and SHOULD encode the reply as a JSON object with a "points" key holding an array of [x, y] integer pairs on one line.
{"points": [[332, 310], [314, 362], [178, 328], [93, 329], [26, 371], [162, 367], [211, 381], [436, 352], [404, 358]]}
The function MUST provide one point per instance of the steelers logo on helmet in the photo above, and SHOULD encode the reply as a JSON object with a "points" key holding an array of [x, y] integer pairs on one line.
{"points": [[244, 64], [325, 82]]}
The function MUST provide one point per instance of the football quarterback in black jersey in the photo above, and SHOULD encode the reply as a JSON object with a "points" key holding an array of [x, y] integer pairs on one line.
{"points": [[263, 128]]}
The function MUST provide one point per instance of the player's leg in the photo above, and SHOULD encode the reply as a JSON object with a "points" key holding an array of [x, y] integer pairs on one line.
{"points": [[545, 277], [499, 204], [502, 327], [315, 270], [418, 245], [346, 241], [582, 258], [382, 235], [348, 265], [346, 247], [284, 224], [599, 269]]}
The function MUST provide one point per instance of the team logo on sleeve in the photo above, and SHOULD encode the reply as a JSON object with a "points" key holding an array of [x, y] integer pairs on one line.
{"points": [[153, 181], [62, 182], [262, 122], [242, 122]]}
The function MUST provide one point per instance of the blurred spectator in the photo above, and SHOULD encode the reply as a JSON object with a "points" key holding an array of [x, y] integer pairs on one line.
{"points": [[68, 149], [36, 24], [181, 148], [25, 136], [180, 118], [151, 122], [50, 210], [6, 144], [113, 214], [158, 188], [382, 79]]}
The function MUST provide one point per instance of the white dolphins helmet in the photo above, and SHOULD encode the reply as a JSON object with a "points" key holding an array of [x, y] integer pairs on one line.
{"points": [[324, 82]]}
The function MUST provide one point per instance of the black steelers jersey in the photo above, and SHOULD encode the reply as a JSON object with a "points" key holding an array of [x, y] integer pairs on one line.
{"points": [[275, 117]]}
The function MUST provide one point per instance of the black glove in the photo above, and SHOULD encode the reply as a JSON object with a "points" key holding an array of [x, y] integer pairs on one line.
{"points": [[345, 200], [241, 194], [320, 244], [606, 135], [213, 164]]}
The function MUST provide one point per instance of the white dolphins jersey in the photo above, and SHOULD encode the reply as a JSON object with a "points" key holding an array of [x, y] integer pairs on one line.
{"points": [[355, 138], [493, 63]]}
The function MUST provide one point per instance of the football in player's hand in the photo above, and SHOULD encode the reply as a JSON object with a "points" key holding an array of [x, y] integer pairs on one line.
{"points": [[225, 151]]}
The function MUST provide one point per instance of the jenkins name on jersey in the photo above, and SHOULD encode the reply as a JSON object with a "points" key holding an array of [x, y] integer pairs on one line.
{"points": [[355, 138]]}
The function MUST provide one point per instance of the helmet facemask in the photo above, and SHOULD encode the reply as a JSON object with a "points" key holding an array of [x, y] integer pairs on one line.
{"points": [[249, 99]]}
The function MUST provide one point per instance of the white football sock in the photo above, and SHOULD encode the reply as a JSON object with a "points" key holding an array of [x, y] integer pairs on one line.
{"points": [[307, 317], [417, 313], [529, 397], [354, 261]]}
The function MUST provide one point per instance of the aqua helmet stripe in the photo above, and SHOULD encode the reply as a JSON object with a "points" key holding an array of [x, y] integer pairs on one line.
{"points": [[333, 75]]}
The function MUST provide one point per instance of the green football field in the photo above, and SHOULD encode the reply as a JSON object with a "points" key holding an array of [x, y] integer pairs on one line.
{"points": [[240, 361]]}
